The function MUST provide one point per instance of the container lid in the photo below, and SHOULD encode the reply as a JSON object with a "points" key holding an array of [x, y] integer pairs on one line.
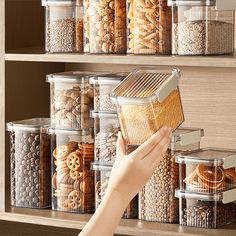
{"points": [[58, 2], [78, 132], [187, 136], [97, 166], [108, 79], [209, 157], [191, 2], [225, 197], [145, 86], [32, 125], [104, 115]]}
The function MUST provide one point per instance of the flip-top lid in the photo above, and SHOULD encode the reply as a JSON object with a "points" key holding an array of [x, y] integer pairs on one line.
{"points": [[108, 79], [58, 2], [97, 166], [104, 115]]}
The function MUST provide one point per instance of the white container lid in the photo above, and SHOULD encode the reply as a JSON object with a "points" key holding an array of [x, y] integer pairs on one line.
{"points": [[108, 79], [104, 115], [58, 2], [97, 166], [78, 132]]}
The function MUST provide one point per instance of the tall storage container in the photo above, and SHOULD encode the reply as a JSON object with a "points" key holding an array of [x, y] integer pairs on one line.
{"points": [[202, 27], [30, 163], [157, 200], [149, 27], [72, 179]]}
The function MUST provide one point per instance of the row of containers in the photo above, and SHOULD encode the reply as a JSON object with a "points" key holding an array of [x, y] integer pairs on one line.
{"points": [[140, 27], [65, 162]]}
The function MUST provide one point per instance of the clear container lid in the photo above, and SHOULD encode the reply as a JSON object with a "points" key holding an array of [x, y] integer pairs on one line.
{"points": [[58, 2], [31, 125], [104, 115], [108, 79], [145, 86], [191, 2], [101, 166], [210, 157], [78, 132]]}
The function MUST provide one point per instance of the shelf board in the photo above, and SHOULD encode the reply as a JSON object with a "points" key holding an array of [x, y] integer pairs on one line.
{"points": [[126, 227], [38, 55]]}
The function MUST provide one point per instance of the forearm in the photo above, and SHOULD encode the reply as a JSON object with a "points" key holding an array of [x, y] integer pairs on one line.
{"points": [[106, 218]]}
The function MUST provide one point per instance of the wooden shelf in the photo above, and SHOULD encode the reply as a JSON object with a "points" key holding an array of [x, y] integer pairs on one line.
{"points": [[38, 55], [126, 227]]}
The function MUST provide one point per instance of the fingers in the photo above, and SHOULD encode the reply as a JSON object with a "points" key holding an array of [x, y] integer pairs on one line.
{"points": [[142, 151], [120, 146]]}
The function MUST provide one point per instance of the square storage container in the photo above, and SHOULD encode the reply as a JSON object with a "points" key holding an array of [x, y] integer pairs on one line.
{"points": [[72, 179], [106, 128], [147, 100], [157, 201], [103, 86], [149, 27], [102, 173], [209, 170], [71, 99], [203, 27], [64, 26], [206, 210], [30, 163]]}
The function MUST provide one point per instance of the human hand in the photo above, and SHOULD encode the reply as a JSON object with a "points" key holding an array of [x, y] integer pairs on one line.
{"points": [[131, 172]]}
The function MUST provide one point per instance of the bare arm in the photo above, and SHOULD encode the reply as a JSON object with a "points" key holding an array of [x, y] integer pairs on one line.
{"points": [[129, 174]]}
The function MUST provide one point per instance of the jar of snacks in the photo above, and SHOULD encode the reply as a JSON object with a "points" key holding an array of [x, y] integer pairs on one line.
{"points": [[103, 86], [157, 200], [147, 100], [149, 27], [30, 163], [107, 26], [64, 26], [206, 210], [203, 27], [71, 99], [72, 179]]}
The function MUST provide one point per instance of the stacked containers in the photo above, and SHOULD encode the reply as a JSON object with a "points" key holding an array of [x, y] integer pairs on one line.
{"points": [[157, 200], [202, 27], [207, 187], [30, 163]]}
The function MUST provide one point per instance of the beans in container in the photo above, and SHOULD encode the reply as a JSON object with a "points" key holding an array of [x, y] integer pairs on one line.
{"points": [[157, 201], [146, 100], [30, 163]]}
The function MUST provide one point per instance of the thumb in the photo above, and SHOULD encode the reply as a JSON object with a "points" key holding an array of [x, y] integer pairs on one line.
{"points": [[120, 147]]}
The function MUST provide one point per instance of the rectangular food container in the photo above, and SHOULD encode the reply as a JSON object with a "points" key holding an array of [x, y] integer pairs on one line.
{"points": [[64, 26], [103, 86], [71, 99], [30, 163], [208, 170], [72, 179], [157, 201], [203, 27], [146, 100], [206, 210], [102, 174]]}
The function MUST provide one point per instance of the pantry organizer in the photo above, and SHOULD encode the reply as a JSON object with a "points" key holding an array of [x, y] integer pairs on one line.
{"points": [[30, 163], [146, 100]]}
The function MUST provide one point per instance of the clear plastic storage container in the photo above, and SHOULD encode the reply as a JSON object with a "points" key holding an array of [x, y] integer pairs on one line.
{"points": [[72, 179], [102, 174], [206, 210], [106, 31], [71, 99], [146, 100], [149, 27], [64, 25], [103, 86], [106, 128], [30, 163], [203, 27], [207, 170], [157, 200]]}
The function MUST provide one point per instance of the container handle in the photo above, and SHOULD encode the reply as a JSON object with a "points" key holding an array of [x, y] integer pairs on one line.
{"points": [[230, 162], [190, 138], [229, 196], [223, 5]]}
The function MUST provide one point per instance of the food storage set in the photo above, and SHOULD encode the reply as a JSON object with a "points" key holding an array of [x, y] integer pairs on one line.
{"points": [[140, 27]]}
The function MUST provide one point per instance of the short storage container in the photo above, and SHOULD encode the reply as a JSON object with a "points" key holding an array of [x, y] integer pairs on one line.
{"points": [[30, 163], [203, 27], [64, 26], [207, 210], [102, 174], [72, 179], [147, 100], [208, 170], [157, 201], [71, 99]]}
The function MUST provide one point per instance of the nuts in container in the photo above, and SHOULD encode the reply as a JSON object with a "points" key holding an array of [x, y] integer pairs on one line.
{"points": [[72, 179], [147, 100], [149, 27], [30, 163], [157, 201], [209, 170], [71, 99]]}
